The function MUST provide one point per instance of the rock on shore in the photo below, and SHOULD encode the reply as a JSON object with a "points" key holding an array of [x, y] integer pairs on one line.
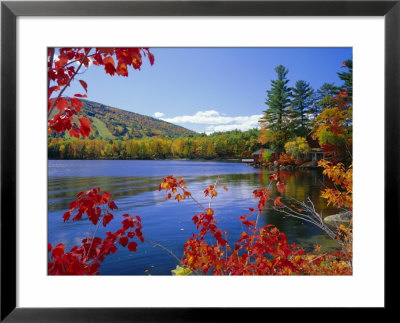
{"points": [[339, 218], [310, 164]]}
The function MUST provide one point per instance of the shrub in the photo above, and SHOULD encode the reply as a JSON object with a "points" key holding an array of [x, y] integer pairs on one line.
{"points": [[298, 148]]}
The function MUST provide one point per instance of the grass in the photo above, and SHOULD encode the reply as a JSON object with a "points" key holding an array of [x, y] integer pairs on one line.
{"points": [[101, 127]]}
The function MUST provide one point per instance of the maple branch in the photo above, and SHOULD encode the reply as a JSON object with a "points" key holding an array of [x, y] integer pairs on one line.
{"points": [[155, 244], [259, 212], [197, 202], [77, 60], [82, 72], [258, 216], [69, 81], [255, 227], [49, 68], [94, 234], [312, 260], [90, 229]]}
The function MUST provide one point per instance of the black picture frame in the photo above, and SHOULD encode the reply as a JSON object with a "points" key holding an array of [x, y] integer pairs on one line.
{"points": [[10, 10]]}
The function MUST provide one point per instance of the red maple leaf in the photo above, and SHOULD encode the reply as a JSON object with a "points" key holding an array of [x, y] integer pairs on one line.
{"points": [[123, 241], [62, 104], [58, 250], [132, 246], [84, 84], [280, 187], [107, 218], [278, 202], [85, 126]]}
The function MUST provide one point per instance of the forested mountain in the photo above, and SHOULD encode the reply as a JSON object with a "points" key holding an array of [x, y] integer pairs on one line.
{"points": [[114, 123]]}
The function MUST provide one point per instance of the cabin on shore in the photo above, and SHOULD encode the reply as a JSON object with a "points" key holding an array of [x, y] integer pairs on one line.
{"points": [[256, 157], [316, 152], [258, 154]]}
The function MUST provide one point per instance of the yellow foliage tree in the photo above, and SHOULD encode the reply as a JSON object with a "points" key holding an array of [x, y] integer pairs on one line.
{"points": [[297, 148]]}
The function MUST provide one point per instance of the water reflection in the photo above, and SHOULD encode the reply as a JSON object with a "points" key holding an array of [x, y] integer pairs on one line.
{"points": [[301, 185], [134, 186]]}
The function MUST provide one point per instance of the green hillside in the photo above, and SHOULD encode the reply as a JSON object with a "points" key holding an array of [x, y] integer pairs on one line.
{"points": [[114, 123]]}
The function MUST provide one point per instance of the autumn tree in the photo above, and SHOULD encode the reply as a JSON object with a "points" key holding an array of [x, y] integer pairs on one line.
{"points": [[298, 148], [333, 127]]}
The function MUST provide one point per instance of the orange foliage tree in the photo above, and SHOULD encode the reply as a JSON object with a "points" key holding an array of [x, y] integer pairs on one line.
{"points": [[333, 127], [342, 178]]}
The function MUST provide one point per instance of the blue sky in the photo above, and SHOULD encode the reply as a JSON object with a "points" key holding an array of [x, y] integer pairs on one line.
{"points": [[210, 89]]}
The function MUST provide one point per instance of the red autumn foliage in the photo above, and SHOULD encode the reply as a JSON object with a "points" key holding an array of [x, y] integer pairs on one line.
{"points": [[285, 159], [277, 201], [258, 251], [86, 258], [65, 65], [263, 251]]}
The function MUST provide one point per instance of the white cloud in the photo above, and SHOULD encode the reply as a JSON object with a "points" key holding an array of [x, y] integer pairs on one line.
{"points": [[159, 114], [201, 117], [228, 127], [215, 121]]}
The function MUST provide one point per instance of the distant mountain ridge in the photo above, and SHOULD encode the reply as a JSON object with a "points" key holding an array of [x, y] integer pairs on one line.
{"points": [[114, 123]]}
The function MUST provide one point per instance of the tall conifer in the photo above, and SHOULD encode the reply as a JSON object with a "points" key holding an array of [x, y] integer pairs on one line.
{"points": [[277, 114], [301, 103]]}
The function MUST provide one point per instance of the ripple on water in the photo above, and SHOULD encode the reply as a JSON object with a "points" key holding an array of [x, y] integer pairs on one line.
{"points": [[134, 187]]}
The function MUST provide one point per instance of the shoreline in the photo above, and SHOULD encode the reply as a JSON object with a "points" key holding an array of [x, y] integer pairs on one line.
{"points": [[157, 159]]}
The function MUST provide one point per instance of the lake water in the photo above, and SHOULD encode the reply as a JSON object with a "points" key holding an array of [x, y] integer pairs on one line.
{"points": [[134, 187]]}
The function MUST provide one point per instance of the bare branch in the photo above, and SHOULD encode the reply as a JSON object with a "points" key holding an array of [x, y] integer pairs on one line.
{"points": [[310, 215]]}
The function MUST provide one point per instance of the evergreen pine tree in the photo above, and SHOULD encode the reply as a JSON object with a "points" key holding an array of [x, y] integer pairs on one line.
{"points": [[323, 97], [301, 103], [277, 113], [347, 77]]}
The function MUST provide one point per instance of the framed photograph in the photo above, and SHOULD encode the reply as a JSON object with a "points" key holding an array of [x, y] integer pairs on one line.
{"points": [[212, 140]]}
